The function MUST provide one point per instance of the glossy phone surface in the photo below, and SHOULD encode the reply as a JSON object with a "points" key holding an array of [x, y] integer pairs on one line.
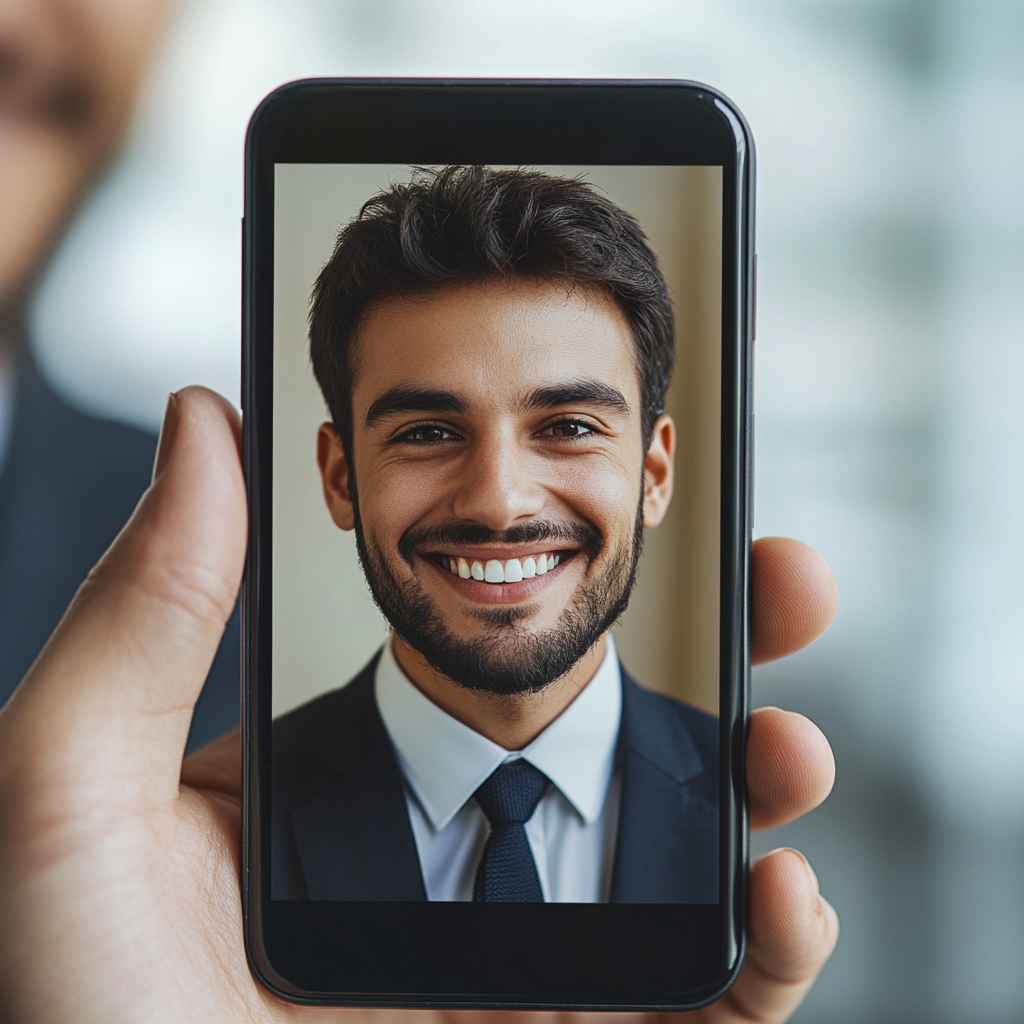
{"points": [[497, 435]]}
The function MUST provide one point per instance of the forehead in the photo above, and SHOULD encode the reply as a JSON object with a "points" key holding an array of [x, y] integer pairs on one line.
{"points": [[494, 340]]}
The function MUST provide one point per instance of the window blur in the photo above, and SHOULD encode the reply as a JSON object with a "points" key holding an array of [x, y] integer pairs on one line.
{"points": [[889, 362]]}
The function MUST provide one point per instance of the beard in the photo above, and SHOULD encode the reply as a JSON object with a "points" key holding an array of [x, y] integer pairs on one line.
{"points": [[508, 658]]}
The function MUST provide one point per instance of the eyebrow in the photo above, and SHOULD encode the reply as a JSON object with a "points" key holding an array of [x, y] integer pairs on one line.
{"points": [[581, 391], [413, 398]]}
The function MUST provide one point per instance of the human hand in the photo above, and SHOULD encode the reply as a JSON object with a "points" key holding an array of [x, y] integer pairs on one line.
{"points": [[119, 863]]}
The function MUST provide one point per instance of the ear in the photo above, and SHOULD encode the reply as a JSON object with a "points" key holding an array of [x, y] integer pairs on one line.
{"points": [[658, 470], [334, 475]]}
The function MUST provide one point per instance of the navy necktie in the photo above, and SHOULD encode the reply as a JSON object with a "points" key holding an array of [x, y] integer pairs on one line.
{"points": [[507, 872]]}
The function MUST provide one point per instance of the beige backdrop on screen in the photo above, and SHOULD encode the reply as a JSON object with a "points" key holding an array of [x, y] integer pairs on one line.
{"points": [[325, 625]]}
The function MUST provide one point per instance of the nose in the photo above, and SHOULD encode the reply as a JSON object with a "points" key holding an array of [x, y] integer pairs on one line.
{"points": [[498, 482]]}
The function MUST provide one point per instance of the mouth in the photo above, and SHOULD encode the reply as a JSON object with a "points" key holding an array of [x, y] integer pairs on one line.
{"points": [[500, 580]]}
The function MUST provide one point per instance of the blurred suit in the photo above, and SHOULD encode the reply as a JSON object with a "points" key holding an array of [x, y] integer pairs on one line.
{"points": [[68, 482]]}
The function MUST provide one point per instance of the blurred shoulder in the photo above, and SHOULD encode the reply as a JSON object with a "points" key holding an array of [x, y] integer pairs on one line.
{"points": [[55, 429], [120, 445]]}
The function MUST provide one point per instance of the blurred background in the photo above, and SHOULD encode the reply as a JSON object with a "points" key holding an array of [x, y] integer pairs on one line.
{"points": [[889, 362]]}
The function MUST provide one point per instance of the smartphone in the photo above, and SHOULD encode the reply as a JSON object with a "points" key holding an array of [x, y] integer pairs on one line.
{"points": [[497, 356]]}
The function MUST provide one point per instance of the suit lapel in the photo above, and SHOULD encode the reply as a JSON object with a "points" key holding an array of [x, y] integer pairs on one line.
{"points": [[666, 828], [355, 841], [353, 833]]}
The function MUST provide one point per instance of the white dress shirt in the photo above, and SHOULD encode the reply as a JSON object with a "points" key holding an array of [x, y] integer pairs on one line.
{"points": [[572, 832]]}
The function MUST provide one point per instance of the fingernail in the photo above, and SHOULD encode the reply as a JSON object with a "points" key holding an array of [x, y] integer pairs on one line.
{"points": [[168, 433]]}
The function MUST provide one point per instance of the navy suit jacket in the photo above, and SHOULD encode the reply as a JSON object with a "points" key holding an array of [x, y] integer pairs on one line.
{"points": [[68, 483], [340, 825]]}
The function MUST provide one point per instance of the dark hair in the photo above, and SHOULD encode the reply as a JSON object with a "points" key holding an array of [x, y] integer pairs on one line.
{"points": [[470, 223]]}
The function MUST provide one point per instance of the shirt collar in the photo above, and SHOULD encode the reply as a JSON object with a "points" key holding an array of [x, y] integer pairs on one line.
{"points": [[445, 761]]}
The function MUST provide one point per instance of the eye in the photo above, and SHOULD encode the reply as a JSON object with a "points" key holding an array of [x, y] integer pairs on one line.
{"points": [[570, 430], [425, 433]]}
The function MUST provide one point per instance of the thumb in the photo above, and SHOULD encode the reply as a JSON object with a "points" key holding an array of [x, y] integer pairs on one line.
{"points": [[108, 702]]}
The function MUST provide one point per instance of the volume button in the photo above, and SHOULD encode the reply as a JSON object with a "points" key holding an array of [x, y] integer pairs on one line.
{"points": [[750, 472], [753, 304], [244, 317], [751, 387]]}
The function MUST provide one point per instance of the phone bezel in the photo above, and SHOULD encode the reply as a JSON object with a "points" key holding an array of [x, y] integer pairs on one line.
{"points": [[603, 956]]}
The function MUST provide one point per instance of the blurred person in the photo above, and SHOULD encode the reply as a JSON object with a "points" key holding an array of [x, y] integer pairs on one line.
{"points": [[70, 71]]}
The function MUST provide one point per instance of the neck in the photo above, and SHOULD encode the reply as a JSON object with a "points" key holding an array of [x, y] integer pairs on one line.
{"points": [[512, 720]]}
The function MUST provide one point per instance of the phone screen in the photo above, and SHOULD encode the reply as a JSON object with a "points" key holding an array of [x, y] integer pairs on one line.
{"points": [[497, 498]]}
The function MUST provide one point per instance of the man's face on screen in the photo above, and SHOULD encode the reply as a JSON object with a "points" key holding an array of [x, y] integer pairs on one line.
{"points": [[498, 472]]}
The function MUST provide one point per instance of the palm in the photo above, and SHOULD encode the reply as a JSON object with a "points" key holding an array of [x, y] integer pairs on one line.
{"points": [[120, 866]]}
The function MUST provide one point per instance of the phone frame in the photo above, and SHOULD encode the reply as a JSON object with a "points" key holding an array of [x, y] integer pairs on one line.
{"points": [[583, 957]]}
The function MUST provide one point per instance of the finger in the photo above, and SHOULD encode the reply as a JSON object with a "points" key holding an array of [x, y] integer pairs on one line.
{"points": [[792, 933], [111, 696], [794, 597], [790, 767]]}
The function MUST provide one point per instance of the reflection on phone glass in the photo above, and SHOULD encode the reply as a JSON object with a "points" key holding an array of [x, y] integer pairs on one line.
{"points": [[496, 507]]}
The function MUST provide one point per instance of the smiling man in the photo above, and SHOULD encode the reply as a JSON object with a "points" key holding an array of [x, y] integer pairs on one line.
{"points": [[494, 348]]}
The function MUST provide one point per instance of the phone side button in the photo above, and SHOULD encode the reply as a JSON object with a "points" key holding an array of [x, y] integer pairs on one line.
{"points": [[750, 470], [753, 303], [244, 319]]}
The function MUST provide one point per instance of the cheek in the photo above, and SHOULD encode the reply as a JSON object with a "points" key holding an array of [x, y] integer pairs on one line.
{"points": [[396, 501], [604, 495]]}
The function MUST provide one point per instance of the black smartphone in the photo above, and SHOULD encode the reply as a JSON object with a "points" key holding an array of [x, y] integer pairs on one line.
{"points": [[497, 436]]}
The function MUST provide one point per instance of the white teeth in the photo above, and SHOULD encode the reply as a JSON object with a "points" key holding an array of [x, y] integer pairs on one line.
{"points": [[496, 571]]}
